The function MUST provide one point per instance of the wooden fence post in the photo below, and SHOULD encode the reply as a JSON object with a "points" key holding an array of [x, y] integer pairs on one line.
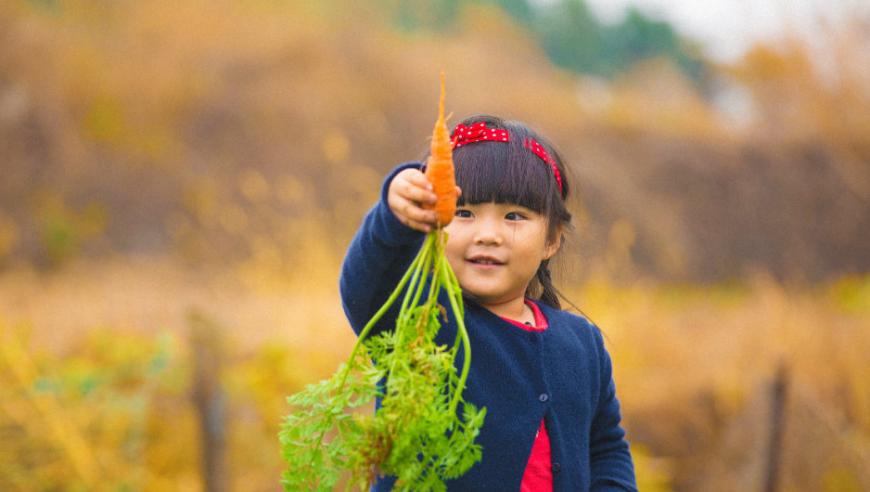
{"points": [[209, 399], [778, 393]]}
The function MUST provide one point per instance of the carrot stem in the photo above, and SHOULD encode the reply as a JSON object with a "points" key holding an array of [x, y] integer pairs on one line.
{"points": [[418, 278], [415, 264], [463, 332]]}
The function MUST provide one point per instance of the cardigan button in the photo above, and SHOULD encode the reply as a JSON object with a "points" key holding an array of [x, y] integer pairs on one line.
{"points": [[544, 397], [557, 467]]}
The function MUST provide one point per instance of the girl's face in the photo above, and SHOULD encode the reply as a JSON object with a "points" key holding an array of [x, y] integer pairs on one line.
{"points": [[496, 248]]}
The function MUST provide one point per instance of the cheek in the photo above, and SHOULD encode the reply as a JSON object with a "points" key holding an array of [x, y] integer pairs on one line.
{"points": [[534, 256], [456, 234], [453, 248]]}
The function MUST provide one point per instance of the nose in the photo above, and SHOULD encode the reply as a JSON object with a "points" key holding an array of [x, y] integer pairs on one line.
{"points": [[487, 233]]}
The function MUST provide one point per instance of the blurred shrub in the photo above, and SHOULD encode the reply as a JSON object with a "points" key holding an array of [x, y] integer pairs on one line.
{"points": [[265, 131], [86, 420], [63, 231], [693, 367]]}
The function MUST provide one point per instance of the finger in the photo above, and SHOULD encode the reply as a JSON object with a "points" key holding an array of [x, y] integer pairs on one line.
{"points": [[408, 210], [419, 179], [414, 212], [411, 191], [394, 201], [458, 192], [413, 224]]}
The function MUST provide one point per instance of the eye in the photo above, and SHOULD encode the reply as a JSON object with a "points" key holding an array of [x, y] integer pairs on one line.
{"points": [[515, 216], [464, 213]]}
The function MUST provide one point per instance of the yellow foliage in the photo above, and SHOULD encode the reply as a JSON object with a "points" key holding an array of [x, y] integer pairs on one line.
{"points": [[259, 113], [291, 191], [254, 186], [201, 200], [82, 418], [63, 229], [270, 126], [851, 293], [107, 393], [842, 480], [653, 473], [336, 147]]}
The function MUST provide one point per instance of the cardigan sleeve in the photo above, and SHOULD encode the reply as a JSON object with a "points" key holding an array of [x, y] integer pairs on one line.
{"points": [[610, 459], [376, 259]]}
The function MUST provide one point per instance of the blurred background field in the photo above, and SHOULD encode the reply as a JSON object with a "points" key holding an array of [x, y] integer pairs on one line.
{"points": [[179, 181]]}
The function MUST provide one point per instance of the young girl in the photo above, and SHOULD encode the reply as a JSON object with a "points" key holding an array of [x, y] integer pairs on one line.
{"points": [[553, 420]]}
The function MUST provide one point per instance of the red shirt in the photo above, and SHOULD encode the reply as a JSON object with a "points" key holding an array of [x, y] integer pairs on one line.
{"points": [[539, 474]]}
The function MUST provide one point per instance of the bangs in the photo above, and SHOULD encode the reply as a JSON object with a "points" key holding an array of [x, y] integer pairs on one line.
{"points": [[504, 173]]}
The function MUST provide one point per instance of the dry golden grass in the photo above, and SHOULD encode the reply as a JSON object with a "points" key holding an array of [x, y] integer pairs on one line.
{"points": [[693, 366]]}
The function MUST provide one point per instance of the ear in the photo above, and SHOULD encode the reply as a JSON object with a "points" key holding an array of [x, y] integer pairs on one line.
{"points": [[552, 247]]}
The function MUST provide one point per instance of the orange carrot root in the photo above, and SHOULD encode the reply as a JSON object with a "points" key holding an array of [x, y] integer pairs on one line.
{"points": [[439, 168]]}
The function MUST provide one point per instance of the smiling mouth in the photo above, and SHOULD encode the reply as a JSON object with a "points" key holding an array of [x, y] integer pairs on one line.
{"points": [[485, 261]]}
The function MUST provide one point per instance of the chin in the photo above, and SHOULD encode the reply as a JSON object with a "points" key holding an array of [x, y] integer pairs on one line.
{"points": [[483, 296]]}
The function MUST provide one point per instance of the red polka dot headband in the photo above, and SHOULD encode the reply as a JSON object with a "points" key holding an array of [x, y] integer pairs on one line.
{"points": [[478, 132]]}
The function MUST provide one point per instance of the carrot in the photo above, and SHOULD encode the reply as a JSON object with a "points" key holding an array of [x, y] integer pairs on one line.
{"points": [[439, 168], [417, 434]]}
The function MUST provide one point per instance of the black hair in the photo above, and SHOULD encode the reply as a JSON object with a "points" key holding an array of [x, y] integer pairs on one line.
{"points": [[492, 171]]}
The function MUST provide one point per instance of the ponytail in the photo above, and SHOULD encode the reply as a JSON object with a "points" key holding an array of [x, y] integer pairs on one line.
{"points": [[544, 281], [549, 294]]}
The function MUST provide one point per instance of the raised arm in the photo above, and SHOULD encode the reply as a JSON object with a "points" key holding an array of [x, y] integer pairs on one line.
{"points": [[612, 467], [382, 250]]}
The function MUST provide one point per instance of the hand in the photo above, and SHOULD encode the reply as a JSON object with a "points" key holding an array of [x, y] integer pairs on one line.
{"points": [[409, 191]]}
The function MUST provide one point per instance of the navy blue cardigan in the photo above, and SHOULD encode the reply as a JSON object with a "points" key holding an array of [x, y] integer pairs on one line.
{"points": [[562, 374]]}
